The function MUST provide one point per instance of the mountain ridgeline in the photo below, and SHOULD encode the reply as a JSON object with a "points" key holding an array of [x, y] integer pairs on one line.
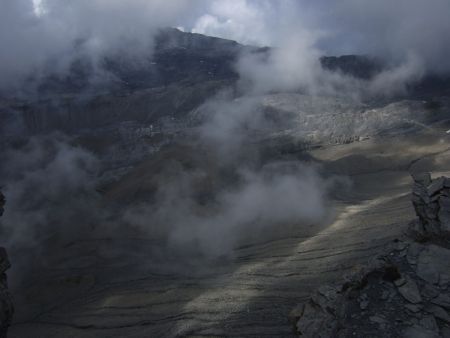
{"points": [[182, 72]]}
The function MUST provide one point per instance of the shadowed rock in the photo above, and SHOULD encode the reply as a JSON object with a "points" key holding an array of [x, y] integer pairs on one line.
{"points": [[2, 203], [431, 200], [6, 306], [402, 293]]}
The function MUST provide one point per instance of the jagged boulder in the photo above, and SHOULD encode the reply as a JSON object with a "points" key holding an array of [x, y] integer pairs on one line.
{"points": [[431, 200]]}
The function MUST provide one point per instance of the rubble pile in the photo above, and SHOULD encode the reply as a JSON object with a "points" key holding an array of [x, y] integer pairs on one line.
{"points": [[6, 305], [404, 292]]}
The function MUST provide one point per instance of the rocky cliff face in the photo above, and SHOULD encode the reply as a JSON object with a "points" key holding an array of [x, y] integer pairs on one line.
{"points": [[2, 203], [431, 199], [403, 292], [183, 71], [6, 306]]}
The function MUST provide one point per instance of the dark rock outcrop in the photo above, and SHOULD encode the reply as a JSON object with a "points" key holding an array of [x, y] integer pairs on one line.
{"points": [[404, 292], [2, 203], [431, 200], [6, 305]]}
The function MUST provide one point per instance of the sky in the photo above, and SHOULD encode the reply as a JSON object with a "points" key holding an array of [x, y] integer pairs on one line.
{"points": [[38, 34]]}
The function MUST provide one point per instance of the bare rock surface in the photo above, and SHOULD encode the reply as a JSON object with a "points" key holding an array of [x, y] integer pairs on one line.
{"points": [[91, 290], [404, 292], [431, 199], [6, 305]]}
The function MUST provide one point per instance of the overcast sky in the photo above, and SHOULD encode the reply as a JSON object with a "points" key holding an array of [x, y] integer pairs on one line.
{"points": [[34, 33]]}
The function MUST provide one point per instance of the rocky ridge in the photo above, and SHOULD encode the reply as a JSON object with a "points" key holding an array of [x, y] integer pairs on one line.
{"points": [[403, 292]]}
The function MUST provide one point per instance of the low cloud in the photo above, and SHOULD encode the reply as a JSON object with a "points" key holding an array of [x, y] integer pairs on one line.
{"points": [[409, 37], [50, 191], [42, 37], [50, 184], [262, 204], [389, 30]]}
